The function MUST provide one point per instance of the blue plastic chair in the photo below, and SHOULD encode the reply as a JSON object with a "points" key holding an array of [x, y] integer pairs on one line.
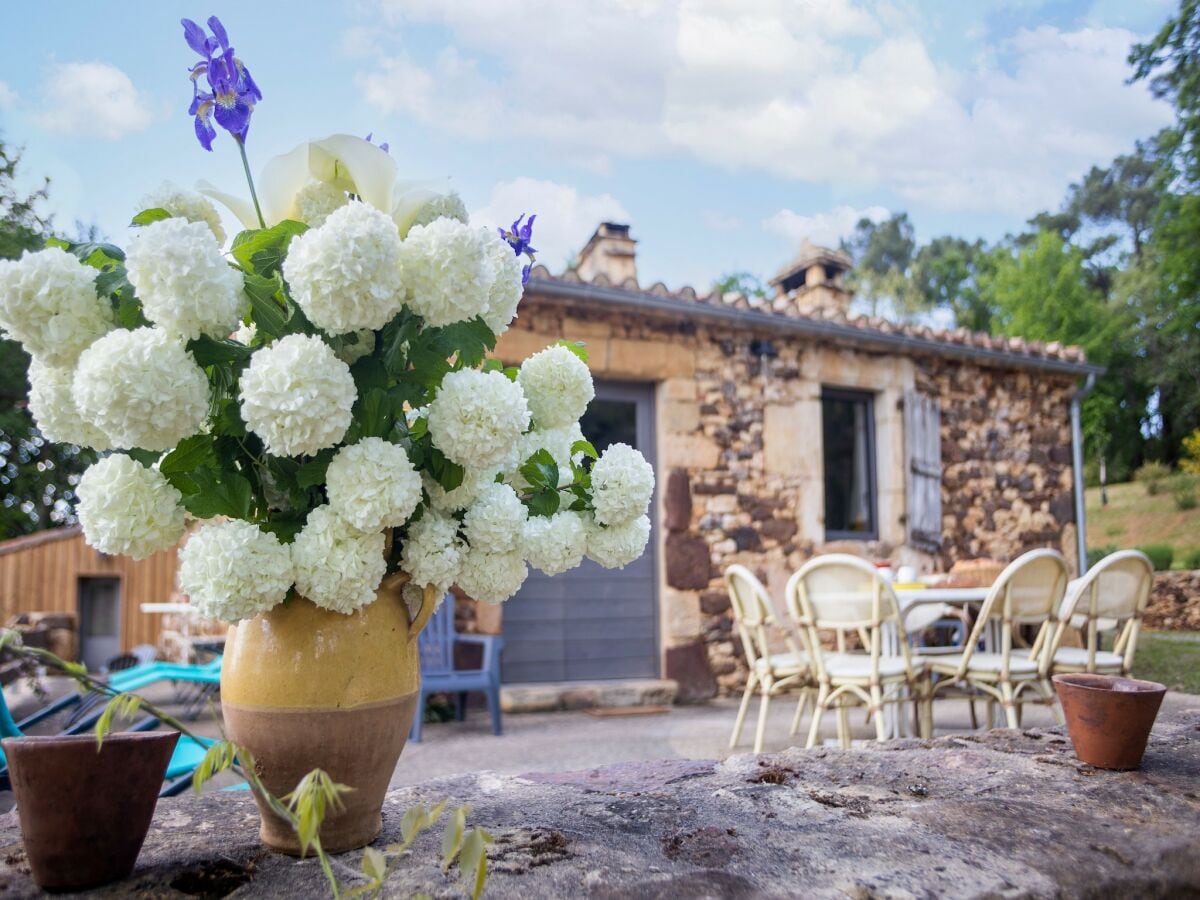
{"points": [[204, 681], [184, 760], [438, 675]]}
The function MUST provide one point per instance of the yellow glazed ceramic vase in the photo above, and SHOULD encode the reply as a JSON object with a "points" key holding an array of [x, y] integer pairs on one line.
{"points": [[304, 688]]}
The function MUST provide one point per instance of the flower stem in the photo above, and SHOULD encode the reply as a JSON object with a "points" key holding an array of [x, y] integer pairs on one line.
{"points": [[250, 181]]}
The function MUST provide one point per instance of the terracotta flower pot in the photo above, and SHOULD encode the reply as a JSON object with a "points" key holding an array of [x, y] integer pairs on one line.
{"points": [[304, 688], [1109, 718], [84, 814]]}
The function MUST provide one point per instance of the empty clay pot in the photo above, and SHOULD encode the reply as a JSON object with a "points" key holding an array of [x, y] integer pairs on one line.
{"points": [[1109, 718], [84, 813]]}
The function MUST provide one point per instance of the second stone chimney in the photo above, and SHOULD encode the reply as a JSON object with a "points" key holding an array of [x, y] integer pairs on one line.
{"points": [[814, 282], [609, 252]]}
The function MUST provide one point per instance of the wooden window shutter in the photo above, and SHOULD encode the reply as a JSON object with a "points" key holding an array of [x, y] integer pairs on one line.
{"points": [[923, 443]]}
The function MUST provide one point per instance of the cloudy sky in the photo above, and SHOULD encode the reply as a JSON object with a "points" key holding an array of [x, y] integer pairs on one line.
{"points": [[724, 131]]}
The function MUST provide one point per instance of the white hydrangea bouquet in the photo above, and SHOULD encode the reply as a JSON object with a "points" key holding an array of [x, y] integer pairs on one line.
{"points": [[318, 391]]}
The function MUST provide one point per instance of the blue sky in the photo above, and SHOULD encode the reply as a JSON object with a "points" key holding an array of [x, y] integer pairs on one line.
{"points": [[724, 131]]}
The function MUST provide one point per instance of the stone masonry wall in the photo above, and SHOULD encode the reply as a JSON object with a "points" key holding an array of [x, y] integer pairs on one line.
{"points": [[1006, 459], [739, 459]]}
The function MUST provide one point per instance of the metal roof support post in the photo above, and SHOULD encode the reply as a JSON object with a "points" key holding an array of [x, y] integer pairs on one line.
{"points": [[1077, 470]]}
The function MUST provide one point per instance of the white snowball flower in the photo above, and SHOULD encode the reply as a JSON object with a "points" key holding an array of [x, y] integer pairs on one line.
{"points": [[186, 205], [185, 285], [297, 396], [622, 484], [492, 577], [345, 275], [555, 544], [477, 417], [233, 570], [245, 334], [48, 302], [141, 388], [462, 496], [557, 385], [493, 522], [318, 200], [616, 546], [53, 406], [447, 272], [507, 286], [420, 206], [337, 566], [373, 485], [432, 553], [128, 510]]}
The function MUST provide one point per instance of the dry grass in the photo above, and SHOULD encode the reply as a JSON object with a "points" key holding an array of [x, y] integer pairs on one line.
{"points": [[1133, 517]]}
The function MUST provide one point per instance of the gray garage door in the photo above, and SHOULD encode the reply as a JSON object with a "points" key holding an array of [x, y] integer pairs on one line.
{"points": [[591, 622]]}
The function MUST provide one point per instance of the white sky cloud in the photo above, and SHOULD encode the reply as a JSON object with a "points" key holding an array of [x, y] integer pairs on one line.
{"points": [[92, 99], [566, 218], [8, 96], [820, 91], [823, 228]]}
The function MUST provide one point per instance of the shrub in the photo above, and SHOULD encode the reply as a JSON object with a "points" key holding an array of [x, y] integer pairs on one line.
{"points": [[1185, 498], [1161, 555], [1152, 474], [1192, 559], [1191, 453], [1095, 554]]}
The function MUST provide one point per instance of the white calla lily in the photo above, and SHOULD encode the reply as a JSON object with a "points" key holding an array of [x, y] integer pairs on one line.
{"points": [[341, 161]]}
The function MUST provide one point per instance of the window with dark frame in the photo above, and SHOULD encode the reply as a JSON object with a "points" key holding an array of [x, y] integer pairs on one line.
{"points": [[848, 430]]}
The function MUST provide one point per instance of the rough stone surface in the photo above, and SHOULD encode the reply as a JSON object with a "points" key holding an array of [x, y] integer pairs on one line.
{"points": [[1174, 602], [677, 502], [997, 814], [687, 562]]}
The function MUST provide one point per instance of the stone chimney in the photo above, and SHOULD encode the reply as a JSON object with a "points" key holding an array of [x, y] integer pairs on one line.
{"points": [[814, 282], [609, 252]]}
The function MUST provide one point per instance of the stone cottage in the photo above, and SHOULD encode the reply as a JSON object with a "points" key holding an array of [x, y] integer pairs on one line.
{"points": [[780, 428]]}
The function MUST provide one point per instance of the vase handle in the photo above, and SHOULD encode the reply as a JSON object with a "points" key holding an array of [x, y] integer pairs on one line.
{"points": [[429, 602]]}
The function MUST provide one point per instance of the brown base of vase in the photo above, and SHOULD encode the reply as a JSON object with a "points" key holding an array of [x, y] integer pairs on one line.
{"points": [[356, 747]]}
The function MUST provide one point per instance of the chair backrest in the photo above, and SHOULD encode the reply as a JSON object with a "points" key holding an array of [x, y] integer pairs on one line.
{"points": [[754, 616], [436, 642], [1028, 592], [844, 593], [1117, 589]]}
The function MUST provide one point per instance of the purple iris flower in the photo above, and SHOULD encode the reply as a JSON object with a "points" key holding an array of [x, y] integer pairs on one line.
{"points": [[518, 238], [231, 93], [383, 146]]}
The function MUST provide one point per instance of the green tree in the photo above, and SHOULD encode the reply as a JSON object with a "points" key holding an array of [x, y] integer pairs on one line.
{"points": [[947, 273], [883, 256], [1170, 63], [37, 478], [745, 283]]}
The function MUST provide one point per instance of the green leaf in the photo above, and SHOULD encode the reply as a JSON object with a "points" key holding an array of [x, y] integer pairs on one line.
{"points": [[374, 865], [544, 503], [122, 707], [269, 313], [576, 347], [191, 453], [284, 529], [312, 473], [146, 457], [209, 351], [146, 216], [219, 493], [262, 250], [452, 837], [587, 448], [470, 339], [217, 758], [541, 470], [472, 861]]}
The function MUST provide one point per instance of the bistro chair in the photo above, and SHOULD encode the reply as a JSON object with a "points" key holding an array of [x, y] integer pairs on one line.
{"points": [[1029, 592], [439, 676], [845, 594], [771, 673], [1111, 597]]}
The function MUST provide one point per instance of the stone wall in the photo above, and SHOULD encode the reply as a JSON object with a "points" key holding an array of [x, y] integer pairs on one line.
{"points": [[1006, 458], [740, 461], [1174, 602]]}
